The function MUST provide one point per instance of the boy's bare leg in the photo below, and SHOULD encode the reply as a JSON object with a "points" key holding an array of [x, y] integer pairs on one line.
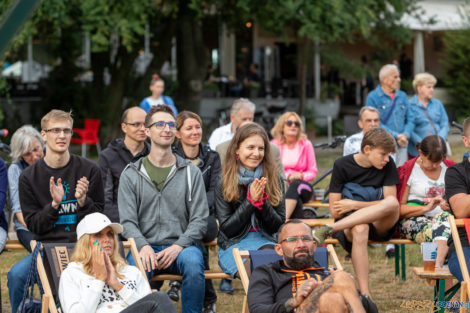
{"points": [[359, 236], [383, 215], [340, 283]]}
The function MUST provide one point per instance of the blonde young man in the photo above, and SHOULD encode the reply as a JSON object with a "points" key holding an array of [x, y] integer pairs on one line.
{"points": [[56, 192]]}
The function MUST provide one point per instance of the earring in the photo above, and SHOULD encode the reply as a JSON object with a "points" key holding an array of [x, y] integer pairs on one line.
{"points": [[237, 157]]}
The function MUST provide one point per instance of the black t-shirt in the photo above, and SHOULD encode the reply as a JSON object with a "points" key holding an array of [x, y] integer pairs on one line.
{"points": [[58, 225], [457, 180], [346, 170]]}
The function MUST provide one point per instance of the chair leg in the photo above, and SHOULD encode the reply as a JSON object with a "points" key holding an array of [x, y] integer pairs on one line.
{"points": [[403, 262], [397, 260], [463, 295], [45, 304], [245, 305]]}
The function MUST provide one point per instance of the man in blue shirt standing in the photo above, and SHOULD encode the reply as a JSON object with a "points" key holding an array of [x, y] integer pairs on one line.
{"points": [[394, 109]]}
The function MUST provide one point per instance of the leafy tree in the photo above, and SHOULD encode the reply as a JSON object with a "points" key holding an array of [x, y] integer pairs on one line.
{"points": [[63, 23], [457, 64], [330, 21]]}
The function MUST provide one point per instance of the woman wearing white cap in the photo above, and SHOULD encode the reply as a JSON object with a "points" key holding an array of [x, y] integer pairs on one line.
{"points": [[98, 280]]}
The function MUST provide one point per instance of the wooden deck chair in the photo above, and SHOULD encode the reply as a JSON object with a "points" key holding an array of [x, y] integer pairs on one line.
{"points": [[269, 256], [56, 257], [465, 285]]}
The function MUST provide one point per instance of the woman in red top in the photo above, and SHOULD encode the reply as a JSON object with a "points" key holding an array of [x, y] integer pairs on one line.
{"points": [[423, 210]]}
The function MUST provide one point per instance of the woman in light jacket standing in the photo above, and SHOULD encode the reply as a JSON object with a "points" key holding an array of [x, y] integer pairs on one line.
{"points": [[429, 113]]}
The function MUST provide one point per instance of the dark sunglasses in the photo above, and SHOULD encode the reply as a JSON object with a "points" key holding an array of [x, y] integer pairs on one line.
{"points": [[290, 123]]}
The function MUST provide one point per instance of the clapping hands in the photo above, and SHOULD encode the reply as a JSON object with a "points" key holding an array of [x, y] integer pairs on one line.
{"points": [[257, 189]]}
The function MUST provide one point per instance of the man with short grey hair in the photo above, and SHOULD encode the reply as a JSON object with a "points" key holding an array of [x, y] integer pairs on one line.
{"points": [[368, 118], [394, 109], [242, 110]]}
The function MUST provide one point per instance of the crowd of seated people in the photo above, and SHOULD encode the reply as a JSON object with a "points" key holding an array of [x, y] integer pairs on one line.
{"points": [[161, 185]]}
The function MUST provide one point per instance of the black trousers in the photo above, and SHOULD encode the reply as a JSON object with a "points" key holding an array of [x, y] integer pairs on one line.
{"points": [[157, 302], [301, 191]]}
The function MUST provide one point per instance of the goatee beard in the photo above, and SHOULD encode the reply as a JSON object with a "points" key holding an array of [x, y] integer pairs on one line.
{"points": [[301, 263]]}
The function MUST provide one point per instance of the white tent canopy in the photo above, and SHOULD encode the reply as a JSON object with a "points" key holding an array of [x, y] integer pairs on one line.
{"points": [[447, 15]]}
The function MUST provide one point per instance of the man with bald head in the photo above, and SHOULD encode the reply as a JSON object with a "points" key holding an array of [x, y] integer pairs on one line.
{"points": [[119, 153], [298, 284], [394, 109]]}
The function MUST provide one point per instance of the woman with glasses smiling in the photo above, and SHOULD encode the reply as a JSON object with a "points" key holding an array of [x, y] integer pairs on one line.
{"points": [[298, 159]]}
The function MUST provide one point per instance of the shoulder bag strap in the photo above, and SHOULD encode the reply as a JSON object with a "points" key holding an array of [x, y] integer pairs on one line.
{"points": [[429, 119], [391, 110]]}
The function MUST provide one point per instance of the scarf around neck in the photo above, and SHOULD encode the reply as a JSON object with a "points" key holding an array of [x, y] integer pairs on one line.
{"points": [[246, 177]]}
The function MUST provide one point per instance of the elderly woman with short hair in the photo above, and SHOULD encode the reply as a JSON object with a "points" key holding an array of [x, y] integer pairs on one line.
{"points": [[430, 115], [27, 147]]}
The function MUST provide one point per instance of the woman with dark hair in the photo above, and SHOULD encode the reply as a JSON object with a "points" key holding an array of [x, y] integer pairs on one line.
{"points": [[190, 147], [249, 199], [298, 159], [98, 279], [423, 210], [157, 86]]}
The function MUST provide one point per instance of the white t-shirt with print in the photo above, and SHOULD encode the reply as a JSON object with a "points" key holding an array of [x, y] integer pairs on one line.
{"points": [[154, 102], [422, 187]]}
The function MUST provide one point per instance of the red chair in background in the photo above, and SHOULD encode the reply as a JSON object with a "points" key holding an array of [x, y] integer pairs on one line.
{"points": [[88, 135]]}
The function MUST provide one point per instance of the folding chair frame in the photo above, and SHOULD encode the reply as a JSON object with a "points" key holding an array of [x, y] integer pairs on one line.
{"points": [[465, 285], [48, 302], [239, 255]]}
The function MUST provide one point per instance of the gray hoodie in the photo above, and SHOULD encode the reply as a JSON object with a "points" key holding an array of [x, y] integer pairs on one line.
{"points": [[175, 215]]}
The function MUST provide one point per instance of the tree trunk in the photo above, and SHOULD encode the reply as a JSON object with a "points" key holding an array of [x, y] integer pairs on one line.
{"points": [[191, 59], [303, 48]]}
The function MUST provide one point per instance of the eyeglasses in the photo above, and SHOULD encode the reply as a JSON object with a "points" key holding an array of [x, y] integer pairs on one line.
{"points": [[162, 125], [136, 124], [56, 131], [295, 238], [290, 123]]}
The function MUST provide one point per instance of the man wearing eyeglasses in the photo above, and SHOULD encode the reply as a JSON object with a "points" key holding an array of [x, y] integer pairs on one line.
{"points": [[119, 153], [163, 206], [55, 193], [297, 283]]}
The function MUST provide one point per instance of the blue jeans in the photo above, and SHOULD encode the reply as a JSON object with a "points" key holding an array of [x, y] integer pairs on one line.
{"points": [[252, 241], [3, 238], [454, 266], [17, 277], [25, 237], [190, 265]]}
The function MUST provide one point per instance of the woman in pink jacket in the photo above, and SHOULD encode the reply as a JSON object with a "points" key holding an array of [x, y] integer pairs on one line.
{"points": [[298, 159]]}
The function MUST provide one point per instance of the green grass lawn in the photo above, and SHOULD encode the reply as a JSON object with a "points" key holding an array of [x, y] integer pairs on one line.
{"points": [[389, 292]]}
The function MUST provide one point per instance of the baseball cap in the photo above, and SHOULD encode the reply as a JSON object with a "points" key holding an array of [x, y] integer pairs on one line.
{"points": [[94, 223]]}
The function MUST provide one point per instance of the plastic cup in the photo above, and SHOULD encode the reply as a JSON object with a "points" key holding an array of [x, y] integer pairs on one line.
{"points": [[429, 251]]}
